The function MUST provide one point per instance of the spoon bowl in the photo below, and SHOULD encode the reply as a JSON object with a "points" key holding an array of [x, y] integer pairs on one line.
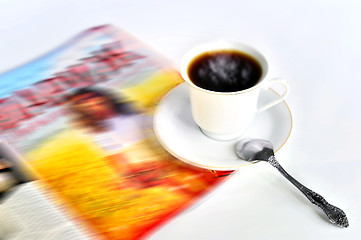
{"points": [[254, 149]]}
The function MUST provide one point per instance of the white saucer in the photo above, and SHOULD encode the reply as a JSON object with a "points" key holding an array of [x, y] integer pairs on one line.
{"points": [[178, 133]]}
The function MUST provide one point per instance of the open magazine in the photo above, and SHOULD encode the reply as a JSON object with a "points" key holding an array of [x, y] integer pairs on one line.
{"points": [[80, 120]]}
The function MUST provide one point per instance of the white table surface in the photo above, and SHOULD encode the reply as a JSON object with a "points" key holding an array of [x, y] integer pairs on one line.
{"points": [[315, 45]]}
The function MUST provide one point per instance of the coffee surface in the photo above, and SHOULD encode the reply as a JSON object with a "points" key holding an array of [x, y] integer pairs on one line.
{"points": [[224, 71]]}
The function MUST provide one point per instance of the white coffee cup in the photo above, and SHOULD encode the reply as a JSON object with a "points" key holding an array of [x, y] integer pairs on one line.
{"points": [[226, 115]]}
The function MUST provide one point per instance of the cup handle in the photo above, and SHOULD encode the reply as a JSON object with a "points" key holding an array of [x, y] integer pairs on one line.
{"points": [[281, 98]]}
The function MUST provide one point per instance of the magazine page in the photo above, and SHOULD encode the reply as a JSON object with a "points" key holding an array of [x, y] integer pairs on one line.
{"points": [[28, 214], [81, 119]]}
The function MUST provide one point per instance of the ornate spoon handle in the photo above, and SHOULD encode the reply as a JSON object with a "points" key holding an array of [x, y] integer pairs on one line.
{"points": [[335, 214]]}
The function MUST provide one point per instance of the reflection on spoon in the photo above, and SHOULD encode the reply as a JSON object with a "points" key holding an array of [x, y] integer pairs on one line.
{"points": [[262, 150]]}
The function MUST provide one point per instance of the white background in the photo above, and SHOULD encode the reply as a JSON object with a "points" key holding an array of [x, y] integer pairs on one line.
{"points": [[315, 45]]}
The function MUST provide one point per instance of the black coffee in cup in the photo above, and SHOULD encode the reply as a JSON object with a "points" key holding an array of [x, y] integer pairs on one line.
{"points": [[225, 71]]}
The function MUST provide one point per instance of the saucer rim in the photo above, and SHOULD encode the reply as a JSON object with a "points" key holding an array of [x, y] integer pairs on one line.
{"points": [[206, 166]]}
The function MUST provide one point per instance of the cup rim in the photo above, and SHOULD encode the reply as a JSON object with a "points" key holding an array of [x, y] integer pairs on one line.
{"points": [[222, 45]]}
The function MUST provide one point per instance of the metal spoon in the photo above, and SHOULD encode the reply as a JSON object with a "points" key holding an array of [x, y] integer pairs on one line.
{"points": [[262, 150]]}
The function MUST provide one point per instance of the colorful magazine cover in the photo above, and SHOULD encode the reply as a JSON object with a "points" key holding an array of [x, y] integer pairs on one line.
{"points": [[81, 119]]}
